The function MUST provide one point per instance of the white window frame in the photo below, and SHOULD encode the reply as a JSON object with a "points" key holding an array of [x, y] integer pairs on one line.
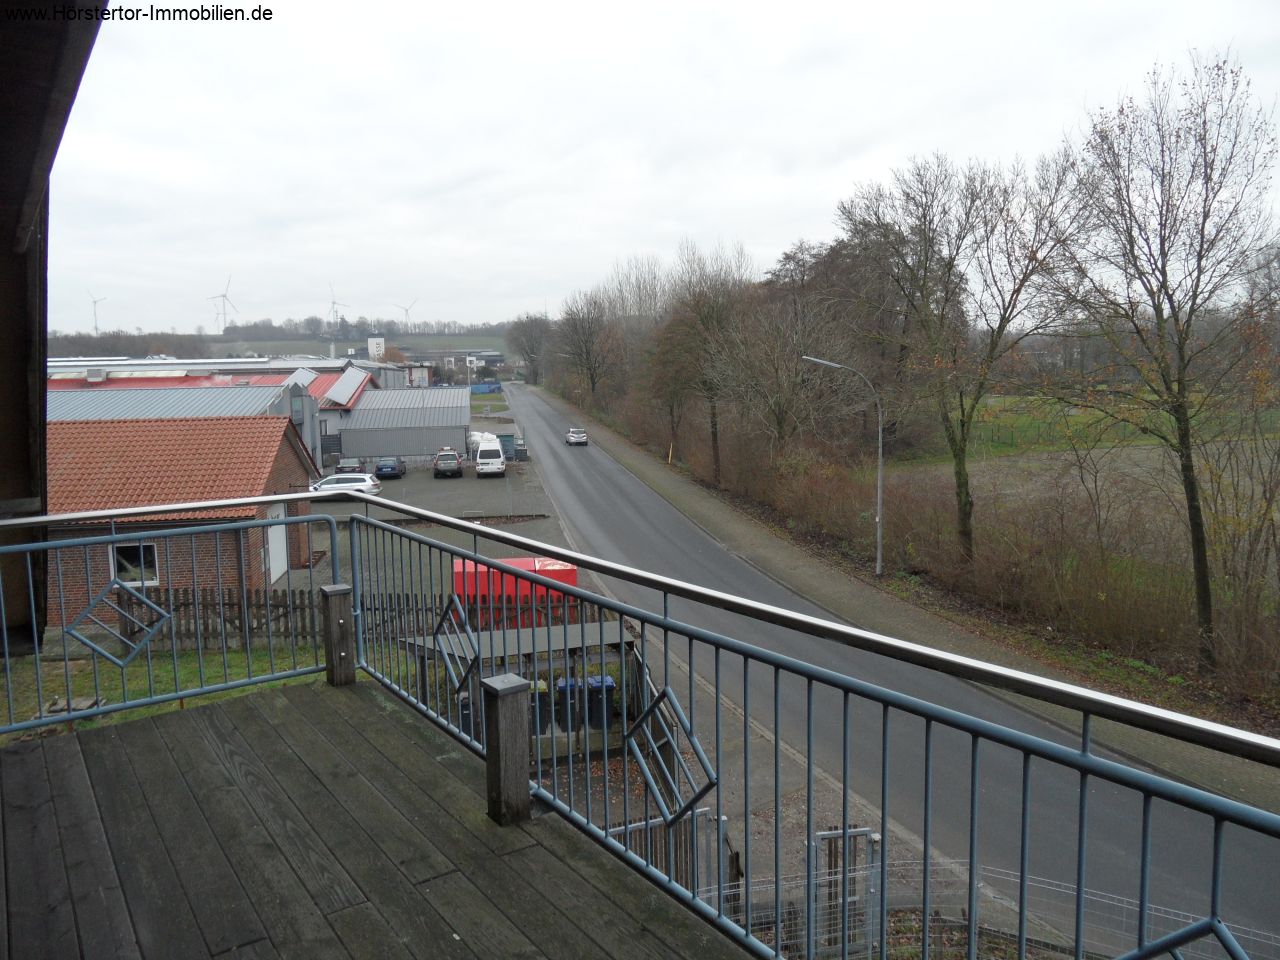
{"points": [[142, 547]]}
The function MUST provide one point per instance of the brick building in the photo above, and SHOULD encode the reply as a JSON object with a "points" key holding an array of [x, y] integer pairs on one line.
{"points": [[114, 464]]}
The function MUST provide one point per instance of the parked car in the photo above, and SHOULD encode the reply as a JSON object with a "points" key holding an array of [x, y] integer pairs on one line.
{"points": [[489, 458], [358, 482], [447, 463], [349, 465], [576, 437], [389, 467]]}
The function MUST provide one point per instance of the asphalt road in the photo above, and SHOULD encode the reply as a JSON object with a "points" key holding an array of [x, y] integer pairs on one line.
{"points": [[609, 513]]}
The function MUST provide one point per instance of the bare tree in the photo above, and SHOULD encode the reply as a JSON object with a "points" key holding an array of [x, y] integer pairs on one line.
{"points": [[760, 362], [970, 253], [1178, 184], [528, 337], [707, 292], [586, 339]]}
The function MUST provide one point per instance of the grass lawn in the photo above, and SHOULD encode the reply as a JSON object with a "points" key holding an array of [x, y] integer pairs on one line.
{"points": [[30, 680], [488, 403], [1013, 425]]}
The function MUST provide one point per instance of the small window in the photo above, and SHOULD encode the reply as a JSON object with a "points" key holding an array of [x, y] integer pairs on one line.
{"points": [[134, 564]]}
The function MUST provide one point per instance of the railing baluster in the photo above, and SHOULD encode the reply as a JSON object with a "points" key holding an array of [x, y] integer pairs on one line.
{"points": [[974, 864], [777, 812], [1024, 853], [809, 892], [1082, 838], [719, 794], [883, 905], [746, 792], [844, 826], [1144, 880], [927, 838]]}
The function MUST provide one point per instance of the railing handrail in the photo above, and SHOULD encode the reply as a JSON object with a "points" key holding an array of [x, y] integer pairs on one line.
{"points": [[1206, 733], [115, 513]]}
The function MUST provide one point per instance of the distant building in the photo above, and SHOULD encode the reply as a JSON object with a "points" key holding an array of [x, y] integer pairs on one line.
{"points": [[407, 423]]}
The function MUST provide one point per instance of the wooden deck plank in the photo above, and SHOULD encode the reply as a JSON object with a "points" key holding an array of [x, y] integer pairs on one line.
{"points": [[479, 922], [367, 935], [458, 762], [683, 931], [221, 908], [162, 916], [42, 922], [293, 921], [320, 872], [401, 833], [332, 764], [259, 950], [102, 919], [517, 896], [424, 754], [415, 921], [621, 938], [547, 913]]}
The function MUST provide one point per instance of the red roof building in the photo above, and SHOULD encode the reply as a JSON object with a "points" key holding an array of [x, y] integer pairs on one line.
{"points": [[115, 464], [108, 464]]}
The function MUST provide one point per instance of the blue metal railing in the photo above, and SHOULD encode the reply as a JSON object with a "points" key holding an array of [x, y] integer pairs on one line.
{"points": [[971, 819], [769, 769], [122, 613]]}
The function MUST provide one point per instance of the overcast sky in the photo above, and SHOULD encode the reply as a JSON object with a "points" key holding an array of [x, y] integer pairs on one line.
{"points": [[490, 160]]}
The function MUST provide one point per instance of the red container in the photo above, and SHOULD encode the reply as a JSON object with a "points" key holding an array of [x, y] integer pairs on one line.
{"points": [[494, 598]]}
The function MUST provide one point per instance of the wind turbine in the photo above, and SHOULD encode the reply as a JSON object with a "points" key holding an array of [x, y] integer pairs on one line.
{"points": [[334, 305], [406, 310], [96, 301], [223, 301]]}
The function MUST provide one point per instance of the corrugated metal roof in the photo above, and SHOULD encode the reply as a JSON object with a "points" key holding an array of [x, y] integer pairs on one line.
{"points": [[416, 398], [409, 408], [405, 417], [165, 403]]}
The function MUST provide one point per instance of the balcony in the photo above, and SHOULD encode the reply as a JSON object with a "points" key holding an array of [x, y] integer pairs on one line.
{"points": [[690, 793]]}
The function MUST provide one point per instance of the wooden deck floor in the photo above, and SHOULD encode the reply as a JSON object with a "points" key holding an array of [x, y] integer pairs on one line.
{"points": [[305, 822]]}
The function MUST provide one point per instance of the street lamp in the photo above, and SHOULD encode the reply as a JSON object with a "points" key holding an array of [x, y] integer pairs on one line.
{"points": [[879, 459]]}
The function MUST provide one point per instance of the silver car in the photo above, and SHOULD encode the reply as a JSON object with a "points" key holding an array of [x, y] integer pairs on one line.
{"points": [[576, 437], [357, 482]]}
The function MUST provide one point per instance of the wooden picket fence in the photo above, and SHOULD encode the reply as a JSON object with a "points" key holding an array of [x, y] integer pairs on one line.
{"points": [[208, 615]]}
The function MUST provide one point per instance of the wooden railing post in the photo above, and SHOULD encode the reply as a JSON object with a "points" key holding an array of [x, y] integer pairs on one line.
{"points": [[506, 723], [339, 637]]}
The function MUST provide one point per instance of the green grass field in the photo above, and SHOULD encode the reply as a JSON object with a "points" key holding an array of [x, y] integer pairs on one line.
{"points": [[30, 682], [1013, 425]]}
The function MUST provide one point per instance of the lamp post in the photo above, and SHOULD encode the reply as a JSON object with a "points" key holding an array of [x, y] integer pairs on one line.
{"points": [[879, 459]]}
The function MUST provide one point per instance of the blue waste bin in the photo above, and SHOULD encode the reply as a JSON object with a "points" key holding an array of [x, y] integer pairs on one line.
{"points": [[464, 715], [568, 705], [540, 707], [599, 700]]}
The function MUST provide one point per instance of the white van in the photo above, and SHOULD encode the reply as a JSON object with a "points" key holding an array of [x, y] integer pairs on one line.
{"points": [[488, 458]]}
